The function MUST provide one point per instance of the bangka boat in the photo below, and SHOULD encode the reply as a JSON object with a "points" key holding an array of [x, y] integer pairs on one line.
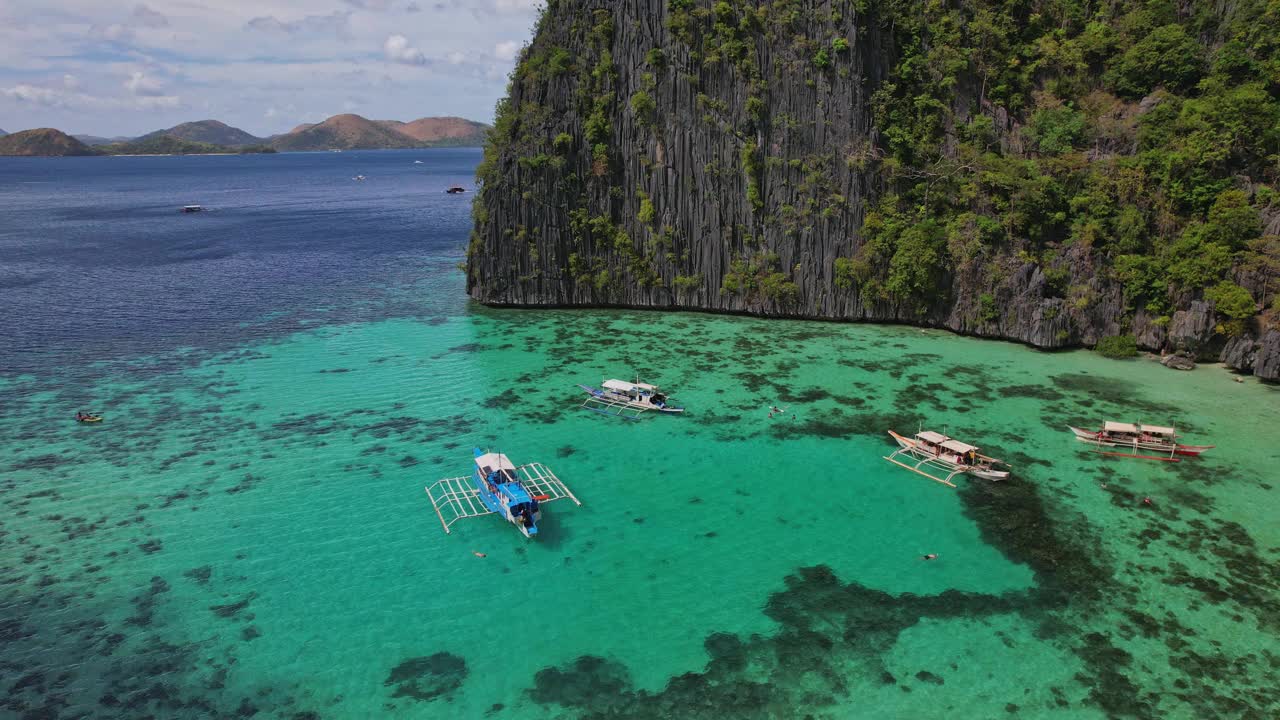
{"points": [[1134, 437], [83, 417], [456, 189], [626, 399], [192, 208], [496, 486], [941, 458]]}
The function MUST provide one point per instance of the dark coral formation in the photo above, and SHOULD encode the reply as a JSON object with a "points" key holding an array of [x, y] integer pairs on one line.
{"points": [[428, 678]]}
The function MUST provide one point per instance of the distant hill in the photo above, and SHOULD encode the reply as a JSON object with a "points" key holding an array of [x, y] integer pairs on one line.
{"points": [[208, 131], [352, 132], [95, 140], [169, 145], [45, 142], [344, 132], [3, 133], [446, 131], [341, 132]]}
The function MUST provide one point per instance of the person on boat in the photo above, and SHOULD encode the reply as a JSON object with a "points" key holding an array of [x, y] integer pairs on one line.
{"points": [[79, 415]]}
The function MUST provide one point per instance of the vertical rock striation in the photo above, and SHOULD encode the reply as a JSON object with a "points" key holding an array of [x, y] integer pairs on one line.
{"points": [[673, 154]]}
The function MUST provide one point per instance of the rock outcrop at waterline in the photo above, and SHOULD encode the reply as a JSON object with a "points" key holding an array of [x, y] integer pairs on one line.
{"points": [[748, 157]]}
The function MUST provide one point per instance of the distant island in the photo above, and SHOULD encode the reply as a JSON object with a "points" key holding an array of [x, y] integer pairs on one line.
{"points": [[43, 142], [210, 137]]}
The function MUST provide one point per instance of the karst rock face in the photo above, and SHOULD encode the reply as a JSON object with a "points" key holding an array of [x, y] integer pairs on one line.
{"points": [[673, 154]]}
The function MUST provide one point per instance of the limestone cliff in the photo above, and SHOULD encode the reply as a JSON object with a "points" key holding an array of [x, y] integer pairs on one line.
{"points": [[749, 157]]}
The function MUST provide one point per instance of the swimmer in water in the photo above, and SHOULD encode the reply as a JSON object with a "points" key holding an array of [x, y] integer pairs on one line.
{"points": [[478, 554], [930, 556]]}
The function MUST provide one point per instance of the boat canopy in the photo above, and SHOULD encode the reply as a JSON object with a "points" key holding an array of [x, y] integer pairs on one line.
{"points": [[1120, 427], [492, 462], [1157, 430], [945, 442], [627, 386], [958, 447]]}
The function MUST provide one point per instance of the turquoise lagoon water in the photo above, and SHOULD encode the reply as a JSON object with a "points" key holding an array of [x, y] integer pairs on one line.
{"points": [[247, 534]]}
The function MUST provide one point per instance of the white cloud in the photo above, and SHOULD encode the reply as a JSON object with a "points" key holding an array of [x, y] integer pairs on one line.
{"points": [[114, 32], [166, 102], [337, 21], [70, 99], [506, 50], [142, 86], [517, 5], [146, 17], [398, 50], [242, 57], [31, 94], [491, 7]]}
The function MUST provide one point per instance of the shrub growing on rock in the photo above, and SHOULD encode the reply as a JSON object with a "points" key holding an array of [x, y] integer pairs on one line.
{"points": [[1118, 346]]}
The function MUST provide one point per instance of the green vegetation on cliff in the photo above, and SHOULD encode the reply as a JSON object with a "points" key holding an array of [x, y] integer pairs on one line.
{"points": [[1145, 134], [1052, 171]]}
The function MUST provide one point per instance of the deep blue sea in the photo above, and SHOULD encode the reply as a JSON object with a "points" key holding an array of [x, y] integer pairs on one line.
{"points": [[97, 262]]}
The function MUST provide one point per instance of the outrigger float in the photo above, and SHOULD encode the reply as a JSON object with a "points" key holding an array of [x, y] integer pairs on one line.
{"points": [[628, 400], [498, 486], [941, 458], [1133, 438]]}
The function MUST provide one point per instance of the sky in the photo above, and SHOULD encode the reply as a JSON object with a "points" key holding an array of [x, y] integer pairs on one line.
{"points": [[106, 68]]}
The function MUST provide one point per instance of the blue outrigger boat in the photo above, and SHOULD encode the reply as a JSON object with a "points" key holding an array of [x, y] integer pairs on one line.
{"points": [[497, 486]]}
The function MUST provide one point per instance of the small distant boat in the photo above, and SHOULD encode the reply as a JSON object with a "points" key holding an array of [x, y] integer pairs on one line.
{"points": [[626, 399], [84, 417], [1134, 437], [456, 189], [941, 458], [192, 208], [497, 486], [359, 177], [417, 162]]}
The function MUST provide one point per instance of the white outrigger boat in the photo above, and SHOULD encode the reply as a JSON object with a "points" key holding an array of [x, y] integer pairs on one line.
{"points": [[941, 458], [626, 399], [496, 486], [1134, 437]]}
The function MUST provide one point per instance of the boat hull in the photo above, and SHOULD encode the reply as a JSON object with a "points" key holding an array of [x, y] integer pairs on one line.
{"points": [[1096, 437], [914, 448], [627, 402]]}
